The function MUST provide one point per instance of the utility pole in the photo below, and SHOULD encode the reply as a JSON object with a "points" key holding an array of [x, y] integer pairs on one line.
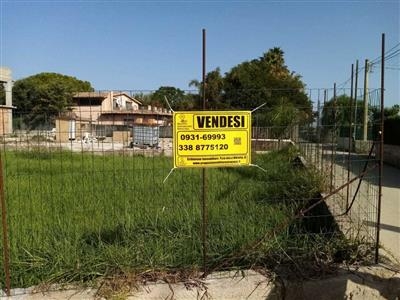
{"points": [[365, 98]]}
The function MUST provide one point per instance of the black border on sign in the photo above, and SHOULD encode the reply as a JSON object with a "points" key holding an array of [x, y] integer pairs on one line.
{"points": [[193, 113]]}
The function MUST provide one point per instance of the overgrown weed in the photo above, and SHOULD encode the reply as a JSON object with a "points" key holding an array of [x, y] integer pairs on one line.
{"points": [[77, 217]]}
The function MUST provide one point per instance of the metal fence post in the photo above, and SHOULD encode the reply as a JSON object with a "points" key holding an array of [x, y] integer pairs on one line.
{"points": [[334, 136], [204, 178], [378, 221], [350, 138], [6, 256]]}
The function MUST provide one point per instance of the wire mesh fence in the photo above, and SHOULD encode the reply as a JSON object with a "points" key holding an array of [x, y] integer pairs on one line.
{"points": [[347, 148], [85, 193]]}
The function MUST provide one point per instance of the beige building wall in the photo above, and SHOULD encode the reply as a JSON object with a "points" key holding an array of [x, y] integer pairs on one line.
{"points": [[121, 137], [93, 112], [7, 82], [63, 133], [5, 120], [149, 120], [106, 105], [120, 119], [109, 113], [124, 103], [6, 79], [87, 112], [62, 126], [114, 119]]}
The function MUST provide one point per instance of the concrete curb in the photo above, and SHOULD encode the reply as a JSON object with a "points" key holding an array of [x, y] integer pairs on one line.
{"points": [[377, 282]]}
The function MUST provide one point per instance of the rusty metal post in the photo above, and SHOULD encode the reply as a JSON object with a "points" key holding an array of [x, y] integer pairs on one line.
{"points": [[355, 102], [323, 167], [204, 178], [333, 146], [350, 137], [6, 255], [317, 147], [365, 100], [382, 125]]}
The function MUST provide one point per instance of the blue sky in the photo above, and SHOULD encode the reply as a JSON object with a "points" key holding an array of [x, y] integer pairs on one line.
{"points": [[125, 45]]}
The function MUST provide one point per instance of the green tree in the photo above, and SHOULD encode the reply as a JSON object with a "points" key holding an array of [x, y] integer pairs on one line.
{"points": [[265, 80], [338, 114], [214, 90], [41, 97], [145, 98], [173, 94], [188, 103], [276, 62], [253, 83], [341, 111], [282, 117], [392, 112], [177, 98]]}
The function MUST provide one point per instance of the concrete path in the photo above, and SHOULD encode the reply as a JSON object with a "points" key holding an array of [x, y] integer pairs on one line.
{"points": [[364, 211], [390, 214]]}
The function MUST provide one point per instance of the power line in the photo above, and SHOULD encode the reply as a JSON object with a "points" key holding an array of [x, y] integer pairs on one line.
{"points": [[389, 54], [393, 68], [348, 80], [394, 54]]}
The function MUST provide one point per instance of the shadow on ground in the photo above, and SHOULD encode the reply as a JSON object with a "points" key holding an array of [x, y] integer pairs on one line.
{"points": [[365, 283]]}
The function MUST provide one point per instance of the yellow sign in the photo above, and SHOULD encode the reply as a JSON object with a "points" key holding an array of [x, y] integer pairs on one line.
{"points": [[212, 139]]}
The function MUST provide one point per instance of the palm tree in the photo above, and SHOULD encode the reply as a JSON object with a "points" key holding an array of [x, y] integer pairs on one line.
{"points": [[275, 61]]}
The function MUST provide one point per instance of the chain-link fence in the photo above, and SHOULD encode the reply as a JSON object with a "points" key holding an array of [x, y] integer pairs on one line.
{"points": [[86, 197], [344, 145]]}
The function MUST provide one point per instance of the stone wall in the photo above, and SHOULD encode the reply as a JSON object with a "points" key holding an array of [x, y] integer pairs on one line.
{"points": [[391, 155], [358, 146], [270, 144]]}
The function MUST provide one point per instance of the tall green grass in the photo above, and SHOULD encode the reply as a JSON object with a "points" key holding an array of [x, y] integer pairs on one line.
{"points": [[76, 216]]}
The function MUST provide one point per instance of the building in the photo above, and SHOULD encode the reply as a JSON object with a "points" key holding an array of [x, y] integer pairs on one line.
{"points": [[107, 114], [6, 110]]}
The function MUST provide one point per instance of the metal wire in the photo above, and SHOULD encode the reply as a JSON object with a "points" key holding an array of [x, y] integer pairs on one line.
{"points": [[93, 187]]}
